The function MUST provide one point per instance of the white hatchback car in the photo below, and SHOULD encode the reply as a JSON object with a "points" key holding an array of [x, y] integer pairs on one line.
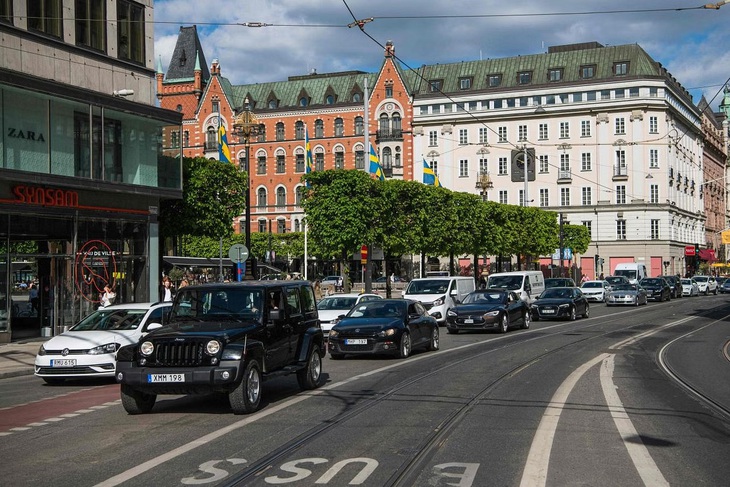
{"points": [[331, 307], [595, 290], [89, 348], [707, 284]]}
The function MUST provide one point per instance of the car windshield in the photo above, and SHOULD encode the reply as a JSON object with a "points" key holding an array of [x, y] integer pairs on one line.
{"points": [[592, 284], [208, 304], [381, 308], [651, 282], [701, 278], [615, 279], [505, 282], [486, 297], [631, 274], [428, 286], [625, 287], [337, 302], [118, 319], [554, 282], [686, 282], [557, 292]]}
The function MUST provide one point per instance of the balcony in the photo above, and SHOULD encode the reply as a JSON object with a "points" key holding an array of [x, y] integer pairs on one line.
{"points": [[620, 173], [211, 146], [565, 176], [388, 135]]}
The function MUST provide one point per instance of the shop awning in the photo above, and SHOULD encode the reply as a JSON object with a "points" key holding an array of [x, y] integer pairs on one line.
{"points": [[708, 255]]}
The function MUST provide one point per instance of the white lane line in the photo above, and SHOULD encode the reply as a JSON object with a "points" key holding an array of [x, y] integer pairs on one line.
{"points": [[54, 419], [644, 463], [538, 460]]}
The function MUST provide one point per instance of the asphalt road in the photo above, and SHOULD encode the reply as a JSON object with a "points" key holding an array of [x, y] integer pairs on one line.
{"points": [[627, 397]]}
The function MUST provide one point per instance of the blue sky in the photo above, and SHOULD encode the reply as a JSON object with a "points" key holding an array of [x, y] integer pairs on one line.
{"points": [[691, 42]]}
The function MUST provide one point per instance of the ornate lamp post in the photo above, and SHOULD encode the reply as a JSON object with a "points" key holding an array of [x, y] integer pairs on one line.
{"points": [[484, 181], [246, 126]]}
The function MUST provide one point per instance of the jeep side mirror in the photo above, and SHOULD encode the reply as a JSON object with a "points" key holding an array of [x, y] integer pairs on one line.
{"points": [[153, 326]]}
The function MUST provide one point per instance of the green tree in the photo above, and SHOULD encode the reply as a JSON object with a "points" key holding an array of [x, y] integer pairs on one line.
{"points": [[576, 238]]}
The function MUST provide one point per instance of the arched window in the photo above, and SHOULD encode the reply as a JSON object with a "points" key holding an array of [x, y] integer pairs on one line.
{"points": [[280, 161], [330, 100], [299, 160], [261, 135], [359, 157], [211, 138], [261, 162], [296, 225], [356, 97], [280, 131], [272, 104], [318, 159], [339, 127], [299, 129], [261, 198], [280, 197], [387, 158], [384, 122], [303, 101], [319, 128], [299, 195], [359, 126], [395, 121]]}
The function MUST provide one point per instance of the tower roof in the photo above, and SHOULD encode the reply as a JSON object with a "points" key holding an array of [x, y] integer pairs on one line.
{"points": [[187, 57]]}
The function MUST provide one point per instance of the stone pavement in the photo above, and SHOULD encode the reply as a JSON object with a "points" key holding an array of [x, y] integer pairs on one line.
{"points": [[17, 358]]}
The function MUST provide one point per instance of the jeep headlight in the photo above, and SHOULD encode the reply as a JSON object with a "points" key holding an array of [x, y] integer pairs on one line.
{"points": [[212, 347], [439, 301], [106, 348], [146, 349]]}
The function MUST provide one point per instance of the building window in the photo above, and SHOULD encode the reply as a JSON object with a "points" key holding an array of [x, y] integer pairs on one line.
{"points": [[435, 167], [654, 158], [6, 11], [280, 163], [564, 196], [524, 77], [620, 163], [463, 168], [521, 197], [463, 137], [319, 161], [186, 138], [587, 72], [215, 106], [464, 83], [544, 198], [273, 104], [339, 159], [280, 198], [483, 166], [655, 229], [494, 80], [103, 160], [544, 163], [586, 196], [303, 101], [653, 125], [359, 126], [299, 197], [502, 166], [434, 85], [359, 159], [620, 229], [263, 224], [299, 160], [389, 91], [542, 131], [319, 128], [330, 100], [211, 138], [280, 131], [621, 69], [502, 132], [432, 138], [90, 17], [387, 158], [503, 197], [564, 130], [339, 127], [555, 74], [261, 135], [585, 161], [621, 195], [130, 34], [620, 126], [261, 165], [522, 133], [483, 135], [585, 128], [175, 139], [299, 130], [589, 225], [45, 16], [261, 198], [565, 164], [654, 193], [356, 97]]}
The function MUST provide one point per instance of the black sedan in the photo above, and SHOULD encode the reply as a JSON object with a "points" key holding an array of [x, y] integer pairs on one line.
{"points": [[675, 285], [560, 302], [488, 309], [657, 288], [384, 326]]}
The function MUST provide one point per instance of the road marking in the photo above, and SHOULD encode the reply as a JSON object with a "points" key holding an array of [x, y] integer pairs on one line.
{"points": [[644, 463]]}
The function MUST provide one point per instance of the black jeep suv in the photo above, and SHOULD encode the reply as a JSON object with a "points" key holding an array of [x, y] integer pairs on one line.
{"points": [[226, 337]]}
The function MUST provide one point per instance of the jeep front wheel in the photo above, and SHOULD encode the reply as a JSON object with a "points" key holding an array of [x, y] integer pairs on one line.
{"points": [[136, 402], [246, 397], [309, 376]]}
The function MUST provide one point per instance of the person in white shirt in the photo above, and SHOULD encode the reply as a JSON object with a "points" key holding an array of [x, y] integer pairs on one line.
{"points": [[108, 297], [166, 289]]}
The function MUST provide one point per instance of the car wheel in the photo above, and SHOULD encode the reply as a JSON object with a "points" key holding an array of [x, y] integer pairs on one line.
{"points": [[573, 315], [434, 343], [526, 320], [53, 381], [587, 312], [136, 402], [715, 293], [337, 356], [504, 324], [246, 397], [452, 331], [310, 375], [404, 350]]}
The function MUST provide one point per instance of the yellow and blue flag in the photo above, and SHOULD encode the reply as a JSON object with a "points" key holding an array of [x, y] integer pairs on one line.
{"points": [[224, 152], [307, 153], [375, 167], [430, 177]]}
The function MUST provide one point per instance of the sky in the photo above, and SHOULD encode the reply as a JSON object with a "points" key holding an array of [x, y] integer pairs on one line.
{"points": [[305, 35]]}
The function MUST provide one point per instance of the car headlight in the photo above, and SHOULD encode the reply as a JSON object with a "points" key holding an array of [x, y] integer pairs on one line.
{"points": [[387, 333], [491, 313], [106, 348], [333, 333], [566, 305], [146, 349], [42, 350], [451, 313], [439, 301], [212, 347]]}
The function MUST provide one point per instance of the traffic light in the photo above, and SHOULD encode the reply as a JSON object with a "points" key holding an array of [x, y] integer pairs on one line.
{"points": [[597, 260]]}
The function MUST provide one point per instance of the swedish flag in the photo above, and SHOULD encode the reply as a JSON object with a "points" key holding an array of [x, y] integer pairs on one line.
{"points": [[375, 167], [429, 177], [224, 152], [308, 153]]}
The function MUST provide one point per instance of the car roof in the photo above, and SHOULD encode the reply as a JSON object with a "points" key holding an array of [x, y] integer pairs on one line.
{"points": [[264, 284], [138, 305], [349, 295]]}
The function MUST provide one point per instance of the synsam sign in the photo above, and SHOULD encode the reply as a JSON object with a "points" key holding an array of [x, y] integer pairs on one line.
{"points": [[38, 195]]}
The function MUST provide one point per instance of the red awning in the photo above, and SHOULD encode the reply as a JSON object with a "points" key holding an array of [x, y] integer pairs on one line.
{"points": [[708, 255]]}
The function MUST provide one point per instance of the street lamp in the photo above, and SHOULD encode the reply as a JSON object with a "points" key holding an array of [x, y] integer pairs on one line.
{"points": [[246, 126], [484, 182]]}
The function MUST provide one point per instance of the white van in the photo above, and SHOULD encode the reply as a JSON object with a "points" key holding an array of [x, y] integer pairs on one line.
{"points": [[633, 271], [439, 294], [527, 284]]}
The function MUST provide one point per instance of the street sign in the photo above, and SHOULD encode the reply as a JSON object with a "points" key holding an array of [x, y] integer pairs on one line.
{"points": [[689, 250], [238, 253], [364, 254], [567, 254]]}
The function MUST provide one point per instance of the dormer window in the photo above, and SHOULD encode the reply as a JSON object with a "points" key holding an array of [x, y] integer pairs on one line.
{"points": [[621, 69], [588, 71], [524, 77], [273, 104], [434, 86], [555, 74], [465, 83], [330, 100], [356, 97], [494, 80], [303, 101]]}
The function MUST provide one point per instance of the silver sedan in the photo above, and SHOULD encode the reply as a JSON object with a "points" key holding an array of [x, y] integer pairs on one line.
{"points": [[690, 287], [626, 294]]}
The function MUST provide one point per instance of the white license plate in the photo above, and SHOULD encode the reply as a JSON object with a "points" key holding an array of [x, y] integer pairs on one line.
{"points": [[548, 311], [356, 341], [165, 378], [468, 321], [63, 362]]}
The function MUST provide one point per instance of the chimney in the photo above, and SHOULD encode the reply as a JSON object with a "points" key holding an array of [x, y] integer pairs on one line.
{"points": [[389, 49]]}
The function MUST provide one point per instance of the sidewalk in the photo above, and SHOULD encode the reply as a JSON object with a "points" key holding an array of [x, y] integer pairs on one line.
{"points": [[17, 358]]}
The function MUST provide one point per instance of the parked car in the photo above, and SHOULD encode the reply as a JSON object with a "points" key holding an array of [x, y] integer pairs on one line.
{"points": [[690, 287], [675, 284], [616, 280], [89, 348], [724, 287], [595, 290], [560, 302], [707, 284], [439, 294], [385, 279], [656, 288], [226, 338], [333, 307], [384, 326], [488, 309], [559, 282], [626, 294]]}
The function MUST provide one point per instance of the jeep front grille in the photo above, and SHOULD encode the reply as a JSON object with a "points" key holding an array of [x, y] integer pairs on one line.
{"points": [[172, 354]]}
